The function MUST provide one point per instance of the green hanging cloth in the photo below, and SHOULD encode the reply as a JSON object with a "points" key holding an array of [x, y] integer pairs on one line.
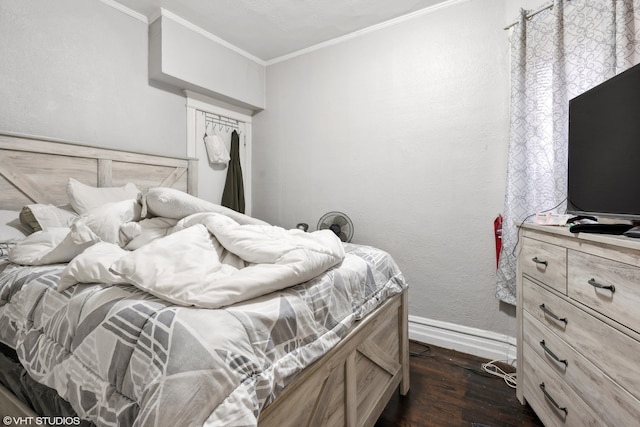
{"points": [[233, 194]]}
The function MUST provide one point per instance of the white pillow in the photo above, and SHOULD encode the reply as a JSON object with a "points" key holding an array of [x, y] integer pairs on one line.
{"points": [[53, 246], [103, 223], [84, 198], [41, 217], [11, 230], [172, 203], [92, 266]]}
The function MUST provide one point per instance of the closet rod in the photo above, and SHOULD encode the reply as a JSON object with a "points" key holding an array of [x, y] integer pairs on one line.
{"points": [[531, 14]]}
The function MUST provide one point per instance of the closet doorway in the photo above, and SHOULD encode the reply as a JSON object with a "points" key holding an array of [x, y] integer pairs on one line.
{"points": [[204, 118]]}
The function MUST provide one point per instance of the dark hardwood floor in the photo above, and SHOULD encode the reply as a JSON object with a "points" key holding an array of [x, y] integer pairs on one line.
{"points": [[449, 388]]}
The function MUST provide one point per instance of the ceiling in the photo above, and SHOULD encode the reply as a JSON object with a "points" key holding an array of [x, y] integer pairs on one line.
{"points": [[269, 29]]}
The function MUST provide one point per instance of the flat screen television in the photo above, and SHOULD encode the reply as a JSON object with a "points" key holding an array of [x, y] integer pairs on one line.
{"points": [[604, 149]]}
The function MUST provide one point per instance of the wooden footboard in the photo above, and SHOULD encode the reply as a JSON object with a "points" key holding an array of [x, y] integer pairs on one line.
{"points": [[351, 385]]}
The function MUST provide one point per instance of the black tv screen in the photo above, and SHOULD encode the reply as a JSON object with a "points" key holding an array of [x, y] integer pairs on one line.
{"points": [[604, 149]]}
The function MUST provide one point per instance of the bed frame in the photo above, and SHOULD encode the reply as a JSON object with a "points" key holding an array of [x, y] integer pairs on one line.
{"points": [[36, 170], [349, 386]]}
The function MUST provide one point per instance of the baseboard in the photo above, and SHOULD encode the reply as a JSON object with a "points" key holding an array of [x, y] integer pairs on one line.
{"points": [[477, 342]]}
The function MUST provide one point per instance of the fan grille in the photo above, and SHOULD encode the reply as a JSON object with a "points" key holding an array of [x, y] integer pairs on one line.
{"points": [[337, 222]]}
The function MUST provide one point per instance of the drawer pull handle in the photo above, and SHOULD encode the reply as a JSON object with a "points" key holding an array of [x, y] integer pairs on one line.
{"points": [[537, 261], [552, 314], [552, 400], [595, 284], [552, 354]]}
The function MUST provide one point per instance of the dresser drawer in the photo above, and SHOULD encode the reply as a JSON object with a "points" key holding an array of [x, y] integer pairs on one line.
{"points": [[551, 398], [609, 287], [579, 327], [545, 262], [614, 405], [609, 349]]}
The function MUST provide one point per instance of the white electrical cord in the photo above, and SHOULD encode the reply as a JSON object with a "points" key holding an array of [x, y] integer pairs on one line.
{"points": [[493, 369]]}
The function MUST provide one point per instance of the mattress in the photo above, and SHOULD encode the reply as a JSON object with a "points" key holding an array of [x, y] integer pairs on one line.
{"points": [[121, 356]]}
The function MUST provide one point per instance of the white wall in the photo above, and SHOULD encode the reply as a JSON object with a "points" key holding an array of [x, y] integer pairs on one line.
{"points": [[77, 70], [406, 130], [184, 57]]}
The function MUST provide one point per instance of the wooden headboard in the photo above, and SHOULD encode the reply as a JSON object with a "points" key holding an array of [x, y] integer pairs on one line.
{"points": [[34, 170]]}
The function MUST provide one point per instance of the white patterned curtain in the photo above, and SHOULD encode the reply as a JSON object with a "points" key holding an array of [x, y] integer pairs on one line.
{"points": [[556, 55]]}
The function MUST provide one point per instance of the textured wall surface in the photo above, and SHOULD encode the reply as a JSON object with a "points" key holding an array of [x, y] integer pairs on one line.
{"points": [[188, 60], [405, 129], [77, 70]]}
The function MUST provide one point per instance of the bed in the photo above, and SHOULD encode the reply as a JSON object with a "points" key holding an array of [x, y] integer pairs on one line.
{"points": [[152, 366]]}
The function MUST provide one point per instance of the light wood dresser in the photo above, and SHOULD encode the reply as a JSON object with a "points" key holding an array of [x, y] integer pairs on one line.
{"points": [[578, 327]]}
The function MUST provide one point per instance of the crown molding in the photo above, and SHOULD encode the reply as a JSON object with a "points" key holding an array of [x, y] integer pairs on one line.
{"points": [[140, 17], [179, 20], [170, 15], [175, 18], [346, 37]]}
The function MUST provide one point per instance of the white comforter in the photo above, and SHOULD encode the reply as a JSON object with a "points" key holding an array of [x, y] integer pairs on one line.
{"points": [[121, 356], [205, 259]]}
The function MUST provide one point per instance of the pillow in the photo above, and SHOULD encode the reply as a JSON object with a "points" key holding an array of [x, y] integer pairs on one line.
{"points": [[104, 222], [39, 217], [92, 266], [53, 246], [172, 203], [84, 198], [11, 230]]}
